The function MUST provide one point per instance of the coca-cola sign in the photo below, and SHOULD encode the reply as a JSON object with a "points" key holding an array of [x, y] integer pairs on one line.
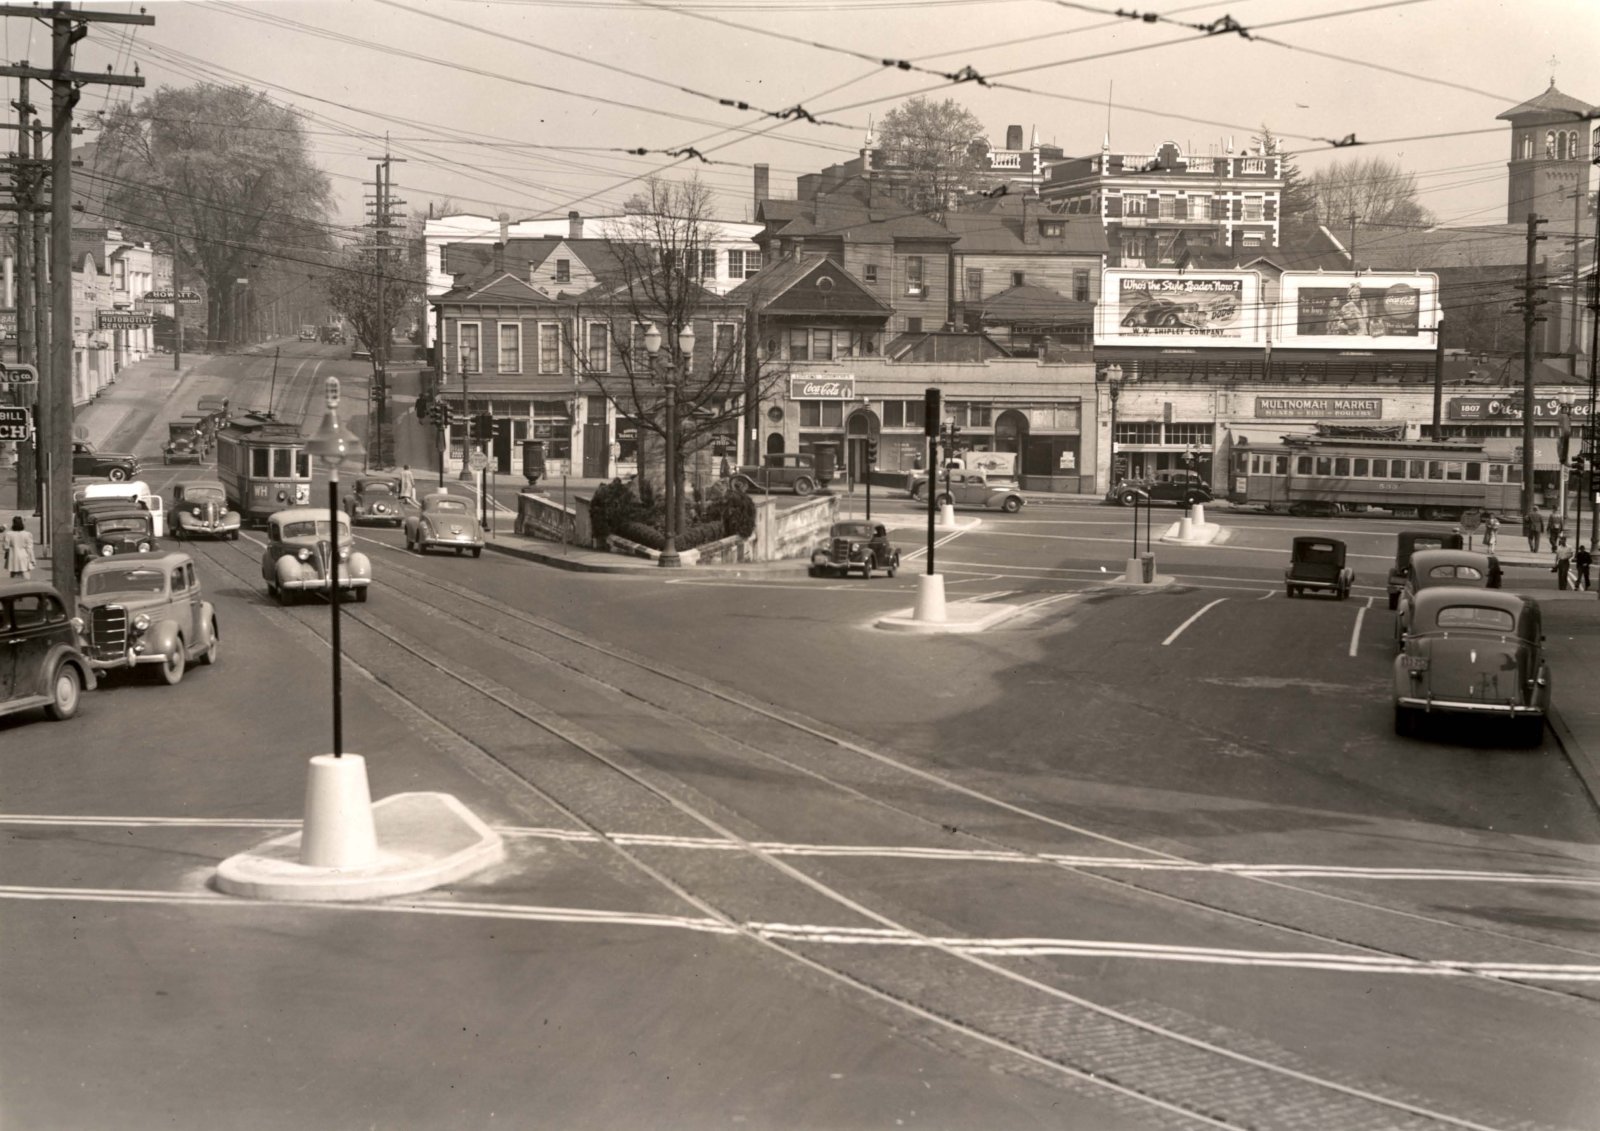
{"points": [[822, 387]]}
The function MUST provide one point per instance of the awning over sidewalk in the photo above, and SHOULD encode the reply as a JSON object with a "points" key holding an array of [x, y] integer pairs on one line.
{"points": [[1544, 451]]}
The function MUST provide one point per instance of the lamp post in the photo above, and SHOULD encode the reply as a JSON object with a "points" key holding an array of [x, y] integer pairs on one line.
{"points": [[334, 444], [1563, 443], [652, 345], [1114, 387]]}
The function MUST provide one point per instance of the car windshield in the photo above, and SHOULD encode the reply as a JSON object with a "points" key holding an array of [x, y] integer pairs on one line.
{"points": [[852, 530], [309, 529], [1323, 555], [450, 506], [1455, 572], [203, 495], [377, 489], [1475, 616], [109, 526], [133, 580]]}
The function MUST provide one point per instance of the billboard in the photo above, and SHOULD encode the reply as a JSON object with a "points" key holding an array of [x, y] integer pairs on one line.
{"points": [[1168, 307], [1510, 408], [1370, 310]]}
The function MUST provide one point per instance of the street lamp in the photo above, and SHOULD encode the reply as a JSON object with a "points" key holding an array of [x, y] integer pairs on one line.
{"points": [[1113, 379], [652, 345], [1563, 443], [334, 444]]}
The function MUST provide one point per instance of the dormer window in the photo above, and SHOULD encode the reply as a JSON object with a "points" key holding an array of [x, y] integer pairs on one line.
{"points": [[1053, 227]]}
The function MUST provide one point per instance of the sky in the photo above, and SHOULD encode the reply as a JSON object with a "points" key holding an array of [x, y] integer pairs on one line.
{"points": [[529, 106]]}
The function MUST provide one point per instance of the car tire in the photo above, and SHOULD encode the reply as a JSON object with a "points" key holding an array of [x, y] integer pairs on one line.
{"points": [[1012, 504], [173, 668], [1405, 721], [894, 563], [361, 594], [866, 571], [209, 656], [1394, 601], [1289, 591], [477, 551], [804, 486], [66, 691], [117, 474], [1127, 499]]}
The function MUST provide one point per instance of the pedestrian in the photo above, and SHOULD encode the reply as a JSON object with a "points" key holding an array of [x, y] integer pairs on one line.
{"points": [[1562, 568], [408, 485], [1555, 527], [1581, 559], [1533, 527], [1490, 530], [19, 550]]}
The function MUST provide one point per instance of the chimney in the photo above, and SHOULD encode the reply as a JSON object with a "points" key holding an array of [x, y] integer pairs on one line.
{"points": [[1013, 137], [1030, 224], [574, 226], [505, 226], [762, 191], [499, 257]]}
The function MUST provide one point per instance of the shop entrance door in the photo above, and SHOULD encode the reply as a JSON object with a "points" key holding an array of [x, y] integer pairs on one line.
{"points": [[596, 449]]}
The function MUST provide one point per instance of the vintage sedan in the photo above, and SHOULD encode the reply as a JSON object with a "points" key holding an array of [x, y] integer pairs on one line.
{"points": [[115, 466], [374, 501], [40, 663], [1180, 488], [200, 510], [779, 471], [1475, 652], [977, 489], [106, 527], [146, 609], [855, 545], [1408, 542], [1431, 569], [1317, 565], [301, 556], [445, 522], [185, 443]]}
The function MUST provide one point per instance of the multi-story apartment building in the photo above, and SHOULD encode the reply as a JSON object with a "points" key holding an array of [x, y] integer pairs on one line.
{"points": [[1157, 206]]}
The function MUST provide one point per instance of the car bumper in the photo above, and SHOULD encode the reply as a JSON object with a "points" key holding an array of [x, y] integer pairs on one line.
{"points": [[1468, 707], [201, 530], [462, 542], [323, 584], [377, 519]]}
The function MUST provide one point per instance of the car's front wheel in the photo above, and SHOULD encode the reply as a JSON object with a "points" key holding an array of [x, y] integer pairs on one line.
{"points": [[944, 500], [477, 551], [1405, 721], [804, 486], [173, 667], [894, 563], [117, 474], [66, 688], [1128, 499], [1394, 601], [1012, 504], [209, 656]]}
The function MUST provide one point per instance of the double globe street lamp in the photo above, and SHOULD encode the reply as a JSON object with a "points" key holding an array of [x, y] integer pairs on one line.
{"points": [[671, 371]]}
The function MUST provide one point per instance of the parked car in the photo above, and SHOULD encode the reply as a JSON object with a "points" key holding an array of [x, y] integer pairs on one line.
{"points": [[444, 522], [115, 466], [301, 551], [146, 609], [1430, 569], [976, 489], [185, 442], [1477, 652], [374, 500], [1408, 542], [1317, 564], [855, 545], [39, 652], [107, 527], [135, 491], [200, 510], [782, 471], [1180, 488]]}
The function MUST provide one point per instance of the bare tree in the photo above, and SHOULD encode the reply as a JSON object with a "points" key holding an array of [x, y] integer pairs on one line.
{"points": [[657, 259], [1371, 191], [929, 144]]}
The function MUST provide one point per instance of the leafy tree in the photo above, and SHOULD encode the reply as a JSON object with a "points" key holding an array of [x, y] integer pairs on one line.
{"points": [[930, 145], [652, 277], [374, 302], [1297, 200], [226, 172], [1372, 190]]}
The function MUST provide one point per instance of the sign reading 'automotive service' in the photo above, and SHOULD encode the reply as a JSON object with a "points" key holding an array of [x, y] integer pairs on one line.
{"points": [[822, 387], [1510, 408], [1319, 408], [122, 319]]}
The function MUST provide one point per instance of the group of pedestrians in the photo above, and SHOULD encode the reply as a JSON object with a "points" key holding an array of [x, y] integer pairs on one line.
{"points": [[1571, 566]]}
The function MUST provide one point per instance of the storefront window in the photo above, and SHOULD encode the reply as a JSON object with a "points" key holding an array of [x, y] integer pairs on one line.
{"points": [[821, 414], [552, 423]]}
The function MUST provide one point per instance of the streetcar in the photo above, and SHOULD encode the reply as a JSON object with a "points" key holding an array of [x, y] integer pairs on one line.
{"points": [[1323, 475], [263, 465]]}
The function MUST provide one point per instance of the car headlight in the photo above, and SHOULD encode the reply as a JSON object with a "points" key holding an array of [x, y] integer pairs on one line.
{"points": [[855, 547], [344, 553], [141, 622], [144, 547], [303, 554], [107, 550], [78, 626]]}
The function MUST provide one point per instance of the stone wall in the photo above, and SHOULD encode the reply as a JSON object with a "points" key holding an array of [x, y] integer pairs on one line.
{"points": [[791, 531]]}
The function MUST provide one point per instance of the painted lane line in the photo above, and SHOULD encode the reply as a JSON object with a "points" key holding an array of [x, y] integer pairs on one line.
{"points": [[1355, 631], [1179, 630], [1269, 594], [850, 936]]}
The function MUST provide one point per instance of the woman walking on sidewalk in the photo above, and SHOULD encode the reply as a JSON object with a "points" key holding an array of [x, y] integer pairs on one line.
{"points": [[19, 550]]}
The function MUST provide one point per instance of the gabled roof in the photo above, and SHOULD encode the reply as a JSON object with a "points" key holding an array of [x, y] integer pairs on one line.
{"points": [[939, 345], [998, 229], [841, 216], [502, 288], [1551, 102], [471, 259], [1301, 247], [1028, 303], [809, 284]]}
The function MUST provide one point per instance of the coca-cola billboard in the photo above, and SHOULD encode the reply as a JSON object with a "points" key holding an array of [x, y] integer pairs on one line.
{"points": [[822, 387]]}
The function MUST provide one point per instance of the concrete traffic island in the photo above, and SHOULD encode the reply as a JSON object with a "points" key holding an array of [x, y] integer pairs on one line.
{"points": [[1193, 529], [350, 848], [933, 615]]}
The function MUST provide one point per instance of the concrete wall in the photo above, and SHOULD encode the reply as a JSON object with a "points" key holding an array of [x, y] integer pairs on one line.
{"points": [[792, 531]]}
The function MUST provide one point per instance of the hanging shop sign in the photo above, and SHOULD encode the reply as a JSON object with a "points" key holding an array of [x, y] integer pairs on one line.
{"points": [[1510, 408], [170, 296], [122, 319], [1319, 408], [822, 387], [15, 423], [8, 326]]}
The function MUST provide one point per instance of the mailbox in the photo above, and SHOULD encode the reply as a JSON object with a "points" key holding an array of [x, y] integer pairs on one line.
{"points": [[827, 462], [533, 460]]}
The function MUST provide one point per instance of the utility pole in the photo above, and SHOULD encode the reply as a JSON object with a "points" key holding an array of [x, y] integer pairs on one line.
{"points": [[25, 195], [1352, 241], [1530, 318], [54, 427], [382, 224], [177, 309]]}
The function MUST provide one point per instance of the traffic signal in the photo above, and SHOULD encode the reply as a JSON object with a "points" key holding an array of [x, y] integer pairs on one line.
{"points": [[447, 415], [930, 412], [1577, 464], [872, 452]]}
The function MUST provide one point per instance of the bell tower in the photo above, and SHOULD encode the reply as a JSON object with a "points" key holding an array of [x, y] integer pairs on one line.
{"points": [[1552, 141]]}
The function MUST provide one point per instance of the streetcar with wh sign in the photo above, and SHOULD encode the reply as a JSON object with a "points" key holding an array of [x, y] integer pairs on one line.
{"points": [[263, 465]]}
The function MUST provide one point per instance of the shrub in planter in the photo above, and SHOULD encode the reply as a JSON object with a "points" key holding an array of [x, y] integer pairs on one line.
{"points": [[642, 533], [735, 511], [612, 507], [698, 535]]}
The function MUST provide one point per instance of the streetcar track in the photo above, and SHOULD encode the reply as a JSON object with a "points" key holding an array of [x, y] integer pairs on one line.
{"points": [[1196, 1108]]}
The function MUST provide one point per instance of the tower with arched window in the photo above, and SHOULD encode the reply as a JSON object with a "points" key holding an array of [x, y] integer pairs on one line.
{"points": [[1552, 140]]}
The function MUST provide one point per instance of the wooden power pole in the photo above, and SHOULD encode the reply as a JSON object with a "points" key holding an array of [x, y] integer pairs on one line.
{"points": [[1530, 318]]}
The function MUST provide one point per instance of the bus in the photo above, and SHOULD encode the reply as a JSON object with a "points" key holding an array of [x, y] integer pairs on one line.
{"points": [[1322, 475], [263, 465]]}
